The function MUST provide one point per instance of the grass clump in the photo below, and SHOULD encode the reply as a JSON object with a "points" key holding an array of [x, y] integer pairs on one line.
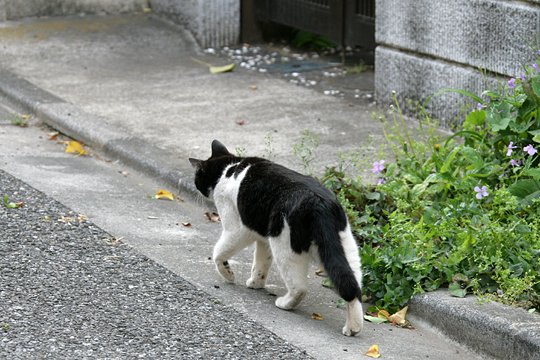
{"points": [[459, 211]]}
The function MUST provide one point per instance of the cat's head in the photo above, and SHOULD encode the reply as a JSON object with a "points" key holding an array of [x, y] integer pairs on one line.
{"points": [[208, 172]]}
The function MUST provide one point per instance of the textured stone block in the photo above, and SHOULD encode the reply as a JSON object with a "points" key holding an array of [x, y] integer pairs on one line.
{"points": [[495, 35], [418, 77], [213, 23]]}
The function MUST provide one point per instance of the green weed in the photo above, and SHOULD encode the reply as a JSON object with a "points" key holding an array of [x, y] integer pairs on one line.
{"points": [[459, 211]]}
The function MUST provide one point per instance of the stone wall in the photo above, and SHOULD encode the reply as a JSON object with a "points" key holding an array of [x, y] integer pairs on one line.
{"points": [[427, 45], [212, 23], [16, 9]]}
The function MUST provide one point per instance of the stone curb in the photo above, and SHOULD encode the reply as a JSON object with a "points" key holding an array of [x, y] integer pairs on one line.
{"points": [[491, 328], [494, 330], [80, 125]]}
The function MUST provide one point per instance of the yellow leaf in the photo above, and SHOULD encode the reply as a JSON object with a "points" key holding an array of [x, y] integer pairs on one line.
{"points": [[222, 69], [317, 316], [383, 314], [399, 317], [374, 352], [75, 147], [164, 194]]}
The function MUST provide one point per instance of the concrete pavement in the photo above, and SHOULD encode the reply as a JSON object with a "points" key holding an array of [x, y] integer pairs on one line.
{"points": [[128, 87]]}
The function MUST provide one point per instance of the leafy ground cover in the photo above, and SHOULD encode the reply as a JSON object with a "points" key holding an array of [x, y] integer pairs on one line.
{"points": [[460, 211]]}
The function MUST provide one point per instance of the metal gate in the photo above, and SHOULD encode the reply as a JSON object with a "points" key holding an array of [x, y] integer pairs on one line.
{"points": [[345, 22]]}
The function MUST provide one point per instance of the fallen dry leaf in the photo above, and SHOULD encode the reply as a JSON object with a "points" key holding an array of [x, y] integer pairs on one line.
{"points": [[53, 135], [383, 314], [222, 69], [253, 87], [75, 147], [320, 272], [399, 317], [212, 216], [317, 316], [186, 224], [374, 352], [164, 194], [152, 217], [240, 122], [375, 319]]}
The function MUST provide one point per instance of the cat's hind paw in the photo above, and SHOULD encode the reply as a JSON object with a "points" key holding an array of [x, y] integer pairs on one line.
{"points": [[290, 301], [351, 331], [225, 271], [255, 283]]}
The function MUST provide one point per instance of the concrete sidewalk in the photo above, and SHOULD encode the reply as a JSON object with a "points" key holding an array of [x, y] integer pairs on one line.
{"points": [[128, 85]]}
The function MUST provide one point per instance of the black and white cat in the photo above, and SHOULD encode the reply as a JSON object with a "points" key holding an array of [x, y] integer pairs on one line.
{"points": [[291, 218]]}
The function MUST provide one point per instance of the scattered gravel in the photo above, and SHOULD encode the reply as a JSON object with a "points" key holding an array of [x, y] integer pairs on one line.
{"points": [[323, 72], [70, 290]]}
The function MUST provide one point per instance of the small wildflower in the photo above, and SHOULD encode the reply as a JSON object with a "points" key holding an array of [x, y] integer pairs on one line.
{"points": [[522, 77], [512, 83], [481, 192], [529, 149], [378, 167], [535, 66], [380, 181], [480, 106], [514, 162], [510, 148]]}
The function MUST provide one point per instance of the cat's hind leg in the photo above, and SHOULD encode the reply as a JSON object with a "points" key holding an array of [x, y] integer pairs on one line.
{"points": [[229, 243], [262, 259], [293, 268], [354, 322]]}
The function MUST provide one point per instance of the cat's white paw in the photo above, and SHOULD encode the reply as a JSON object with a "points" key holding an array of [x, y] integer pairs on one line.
{"points": [[225, 271], [283, 302], [355, 318], [351, 331], [255, 283], [290, 301]]}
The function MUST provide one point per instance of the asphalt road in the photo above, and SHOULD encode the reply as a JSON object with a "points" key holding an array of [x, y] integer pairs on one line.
{"points": [[70, 290]]}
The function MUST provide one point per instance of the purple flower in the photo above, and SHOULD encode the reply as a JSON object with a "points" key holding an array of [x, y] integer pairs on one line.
{"points": [[481, 192], [538, 52], [480, 106], [512, 83], [522, 77], [529, 149], [510, 147], [514, 162], [378, 167], [380, 181], [535, 66]]}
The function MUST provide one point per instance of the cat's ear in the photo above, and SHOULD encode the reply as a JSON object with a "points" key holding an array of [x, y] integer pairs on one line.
{"points": [[218, 149], [195, 163]]}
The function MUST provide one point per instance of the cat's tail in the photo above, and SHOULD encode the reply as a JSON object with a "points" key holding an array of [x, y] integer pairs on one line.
{"points": [[339, 255]]}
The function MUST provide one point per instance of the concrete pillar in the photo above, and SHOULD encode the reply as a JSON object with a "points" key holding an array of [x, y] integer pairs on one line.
{"points": [[212, 23], [426, 45]]}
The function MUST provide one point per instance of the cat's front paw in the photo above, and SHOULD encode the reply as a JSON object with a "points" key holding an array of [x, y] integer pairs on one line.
{"points": [[224, 269], [255, 283]]}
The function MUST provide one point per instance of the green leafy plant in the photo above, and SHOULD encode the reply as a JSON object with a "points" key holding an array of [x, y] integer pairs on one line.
{"points": [[309, 40], [12, 205], [459, 211]]}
